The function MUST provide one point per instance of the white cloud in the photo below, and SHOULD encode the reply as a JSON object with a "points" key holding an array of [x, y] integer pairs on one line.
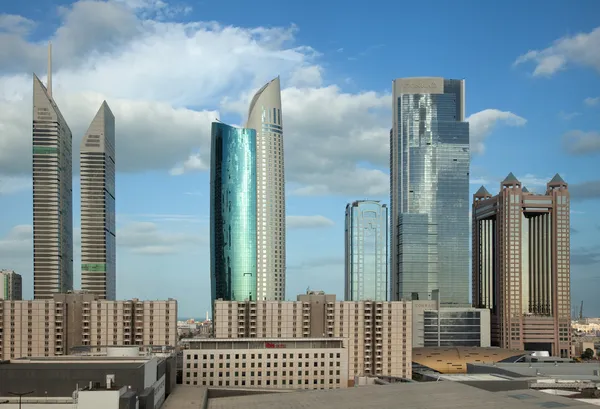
{"points": [[589, 101], [125, 52], [308, 222], [581, 143], [14, 184], [147, 238], [567, 116], [18, 243], [482, 123], [14, 24], [581, 49]]}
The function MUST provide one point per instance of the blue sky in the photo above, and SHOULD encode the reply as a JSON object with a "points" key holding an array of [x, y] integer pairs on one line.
{"points": [[167, 69]]}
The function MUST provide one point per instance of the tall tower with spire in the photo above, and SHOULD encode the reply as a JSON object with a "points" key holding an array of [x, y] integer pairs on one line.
{"points": [[52, 193], [97, 173]]}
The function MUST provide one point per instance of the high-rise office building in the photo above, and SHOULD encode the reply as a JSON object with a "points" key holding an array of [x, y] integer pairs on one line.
{"points": [[264, 116], [521, 265], [233, 213], [429, 188], [11, 285], [97, 172], [52, 194], [366, 275]]}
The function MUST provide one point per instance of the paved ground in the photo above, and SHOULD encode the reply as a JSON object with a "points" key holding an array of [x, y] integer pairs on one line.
{"points": [[427, 395]]}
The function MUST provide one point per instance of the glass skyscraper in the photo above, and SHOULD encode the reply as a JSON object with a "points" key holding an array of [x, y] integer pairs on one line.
{"points": [[366, 251], [233, 213], [429, 178]]}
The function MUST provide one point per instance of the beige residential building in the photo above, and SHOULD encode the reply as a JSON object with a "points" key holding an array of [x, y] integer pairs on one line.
{"points": [[521, 265], [54, 327], [377, 334], [287, 363]]}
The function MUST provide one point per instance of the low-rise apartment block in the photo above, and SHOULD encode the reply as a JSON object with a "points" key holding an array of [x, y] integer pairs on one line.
{"points": [[288, 363], [377, 334], [54, 327]]}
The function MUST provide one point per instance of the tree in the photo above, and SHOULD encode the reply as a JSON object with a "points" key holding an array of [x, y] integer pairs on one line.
{"points": [[588, 354]]}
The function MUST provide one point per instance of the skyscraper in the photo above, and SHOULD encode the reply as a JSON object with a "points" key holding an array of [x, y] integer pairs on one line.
{"points": [[264, 116], [11, 285], [429, 188], [521, 265], [97, 172], [233, 213], [366, 251], [52, 194]]}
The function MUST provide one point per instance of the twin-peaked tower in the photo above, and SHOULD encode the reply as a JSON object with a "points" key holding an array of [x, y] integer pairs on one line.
{"points": [[53, 198], [248, 203]]}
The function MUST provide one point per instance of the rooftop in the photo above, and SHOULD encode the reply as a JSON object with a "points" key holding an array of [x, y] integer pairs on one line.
{"points": [[431, 395]]}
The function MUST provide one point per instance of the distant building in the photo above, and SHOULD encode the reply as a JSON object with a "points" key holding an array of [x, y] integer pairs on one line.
{"points": [[521, 265], [438, 326], [366, 242], [429, 190], [233, 220], [97, 173], [285, 363], [54, 327], [11, 285], [377, 334]]}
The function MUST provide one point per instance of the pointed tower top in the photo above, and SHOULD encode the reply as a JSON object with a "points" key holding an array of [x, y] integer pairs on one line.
{"points": [[482, 192], [557, 179], [525, 190], [49, 86], [510, 179]]}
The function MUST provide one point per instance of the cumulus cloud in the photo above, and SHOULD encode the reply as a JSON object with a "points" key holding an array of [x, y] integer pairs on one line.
{"points": [[586, 190], [147, 238], [581, 143], [308, 222], [14, 24], [589, 101], [17, 243], [482, 123], [166, 81], [581, 49]]}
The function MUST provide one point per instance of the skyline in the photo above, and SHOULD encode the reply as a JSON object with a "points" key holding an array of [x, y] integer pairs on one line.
{"points": [[533, 118]]}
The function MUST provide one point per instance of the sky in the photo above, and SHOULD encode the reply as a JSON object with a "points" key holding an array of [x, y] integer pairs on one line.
{"points": [[169, 68]]}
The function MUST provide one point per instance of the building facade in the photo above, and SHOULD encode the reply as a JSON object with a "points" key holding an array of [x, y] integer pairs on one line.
{"points": [[285, 363], [233, 223], [52, 195], [377, 334], [11, 285], [98, 230], [429, 189], [521, 265], [265, 117], [437, 326], [366, 235], [54, 327]]}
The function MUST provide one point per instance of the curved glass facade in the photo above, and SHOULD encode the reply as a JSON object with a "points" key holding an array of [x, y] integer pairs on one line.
{"points": [[233, 213]]}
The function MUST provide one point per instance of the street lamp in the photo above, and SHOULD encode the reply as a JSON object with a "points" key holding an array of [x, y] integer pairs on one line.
{"points": [[20, 395]]}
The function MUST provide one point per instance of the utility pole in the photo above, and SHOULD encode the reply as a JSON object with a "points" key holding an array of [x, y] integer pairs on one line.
{"points": [[20, 395]]}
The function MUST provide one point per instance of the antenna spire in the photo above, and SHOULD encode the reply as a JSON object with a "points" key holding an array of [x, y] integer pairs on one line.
{"points": [[49, 86]]}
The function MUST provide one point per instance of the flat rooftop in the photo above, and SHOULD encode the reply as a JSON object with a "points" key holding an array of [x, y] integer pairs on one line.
{"points": [[430, 395], [540, 370], [187, 397]]}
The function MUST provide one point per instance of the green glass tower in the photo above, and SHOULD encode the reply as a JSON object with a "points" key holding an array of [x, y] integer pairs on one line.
{"points": [[233, 213]]}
